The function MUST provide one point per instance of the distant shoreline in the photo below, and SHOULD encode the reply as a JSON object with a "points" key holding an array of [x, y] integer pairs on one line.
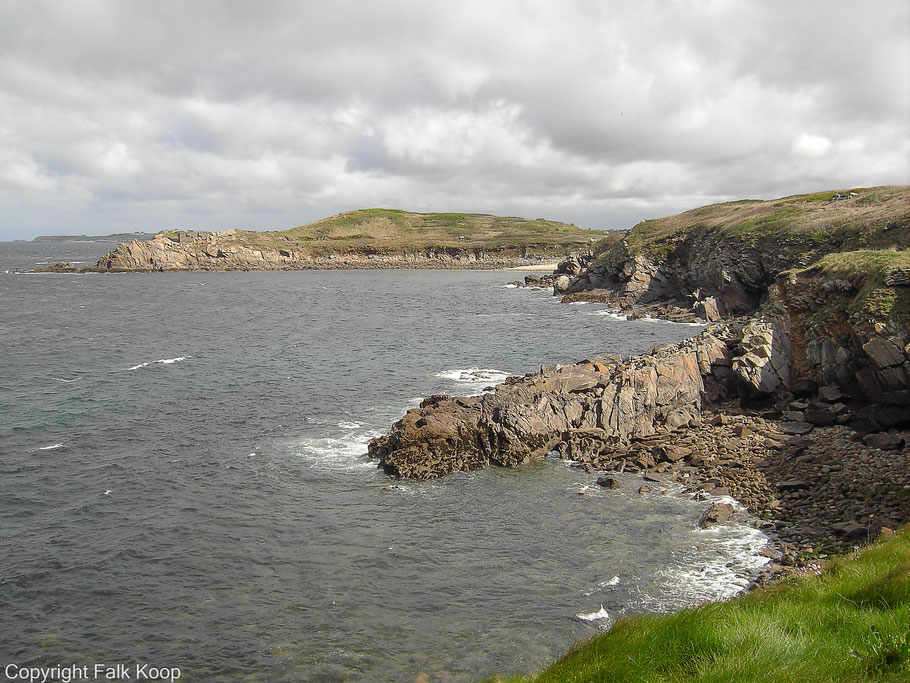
{"points": [[115, 237]]}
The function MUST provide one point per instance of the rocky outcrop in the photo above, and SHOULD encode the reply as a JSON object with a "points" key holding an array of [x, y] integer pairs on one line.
{"points": [[534, 281], [219, 251], [720, 261], [602, 403], [59, 267]]}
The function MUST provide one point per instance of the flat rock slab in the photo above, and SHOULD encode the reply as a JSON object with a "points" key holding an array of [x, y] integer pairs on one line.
{"points": [[795, 427], [793, 485], [884, 441]]}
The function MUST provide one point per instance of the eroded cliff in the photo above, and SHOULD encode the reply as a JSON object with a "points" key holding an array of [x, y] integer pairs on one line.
{"points": [[721, 260]]}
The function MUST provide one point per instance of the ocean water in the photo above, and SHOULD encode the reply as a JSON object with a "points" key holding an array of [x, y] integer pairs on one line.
{"points": [[184, 480]]}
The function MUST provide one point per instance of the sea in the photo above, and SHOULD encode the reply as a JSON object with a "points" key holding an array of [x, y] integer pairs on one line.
{"points": [[184, 479]]}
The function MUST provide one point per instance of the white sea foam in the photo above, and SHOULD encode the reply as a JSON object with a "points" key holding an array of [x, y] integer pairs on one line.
{"points": [[510, 286], [350, 425], [594, 616], [609, 583], [52, 447], [695, 578], [473, 375], [609, 313], [344, 451], [649, 319], [163, 361], [67, 381]]}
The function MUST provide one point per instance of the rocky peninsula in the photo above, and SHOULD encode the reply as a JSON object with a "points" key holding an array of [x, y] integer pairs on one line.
{"points": [[367, 238], [795, 400]]}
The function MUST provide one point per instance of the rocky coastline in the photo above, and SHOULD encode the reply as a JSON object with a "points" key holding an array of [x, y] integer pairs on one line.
{"points": [[795, 400], [208, 254], [361, 239], [160, 254]]}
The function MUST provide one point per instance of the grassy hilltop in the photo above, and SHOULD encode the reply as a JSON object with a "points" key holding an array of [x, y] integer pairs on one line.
{"points": [[396, 229]]}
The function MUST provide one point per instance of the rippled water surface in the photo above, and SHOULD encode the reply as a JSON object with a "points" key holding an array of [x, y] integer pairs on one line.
{"points": [[183, 479]]}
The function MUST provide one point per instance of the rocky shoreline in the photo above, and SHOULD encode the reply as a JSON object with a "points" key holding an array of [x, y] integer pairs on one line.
{"points": [[806, 465], [795, 401], [162, 255]]}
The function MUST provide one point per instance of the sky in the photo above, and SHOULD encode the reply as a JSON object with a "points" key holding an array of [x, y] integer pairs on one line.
{"points": [[124, 115]]}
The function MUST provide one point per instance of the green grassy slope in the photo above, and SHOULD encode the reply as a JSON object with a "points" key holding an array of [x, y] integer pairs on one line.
{"points": [[849, 623]]}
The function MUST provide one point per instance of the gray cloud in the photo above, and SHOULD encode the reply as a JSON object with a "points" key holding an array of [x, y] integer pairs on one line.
{"points": [[136, 115]]}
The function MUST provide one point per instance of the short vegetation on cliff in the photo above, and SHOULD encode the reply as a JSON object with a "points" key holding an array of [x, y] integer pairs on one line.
{"points": [[866, 270], [851, 622]]}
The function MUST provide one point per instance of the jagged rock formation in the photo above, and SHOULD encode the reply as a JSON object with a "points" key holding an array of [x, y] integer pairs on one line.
{"points": [[604, 400]]}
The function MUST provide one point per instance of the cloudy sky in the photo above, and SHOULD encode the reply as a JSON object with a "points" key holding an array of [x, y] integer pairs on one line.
{"points": [[125, 115]]}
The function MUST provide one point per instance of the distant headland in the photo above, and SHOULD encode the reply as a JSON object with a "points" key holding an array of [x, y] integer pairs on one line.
{"points": [[114, 237], [366, 238]]}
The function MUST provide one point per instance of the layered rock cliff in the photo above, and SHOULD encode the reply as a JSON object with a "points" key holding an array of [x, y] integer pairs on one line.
{"points": [[843, 322]]}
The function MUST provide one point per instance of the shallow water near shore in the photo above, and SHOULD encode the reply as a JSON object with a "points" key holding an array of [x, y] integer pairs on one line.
{"points": [[183, 480]]}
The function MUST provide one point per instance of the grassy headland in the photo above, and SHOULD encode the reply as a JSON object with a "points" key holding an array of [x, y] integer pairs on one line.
{"points": [[396, 229], [864, 219], [851, 622]]}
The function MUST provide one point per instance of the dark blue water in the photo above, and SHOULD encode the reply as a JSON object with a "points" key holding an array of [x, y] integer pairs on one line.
{"points": [[183, 479]]}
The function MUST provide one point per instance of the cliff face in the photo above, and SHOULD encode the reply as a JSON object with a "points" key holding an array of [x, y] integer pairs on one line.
{"points": [[216, 251], [845, 322], [831, 346], [721, 260]]}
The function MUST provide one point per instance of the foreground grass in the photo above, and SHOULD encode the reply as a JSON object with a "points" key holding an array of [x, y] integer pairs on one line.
{"points": [[851, 623]]}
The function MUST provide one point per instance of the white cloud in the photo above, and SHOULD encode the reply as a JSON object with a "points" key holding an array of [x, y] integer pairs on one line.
{"points": [[128, 114], [811, 145]]}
